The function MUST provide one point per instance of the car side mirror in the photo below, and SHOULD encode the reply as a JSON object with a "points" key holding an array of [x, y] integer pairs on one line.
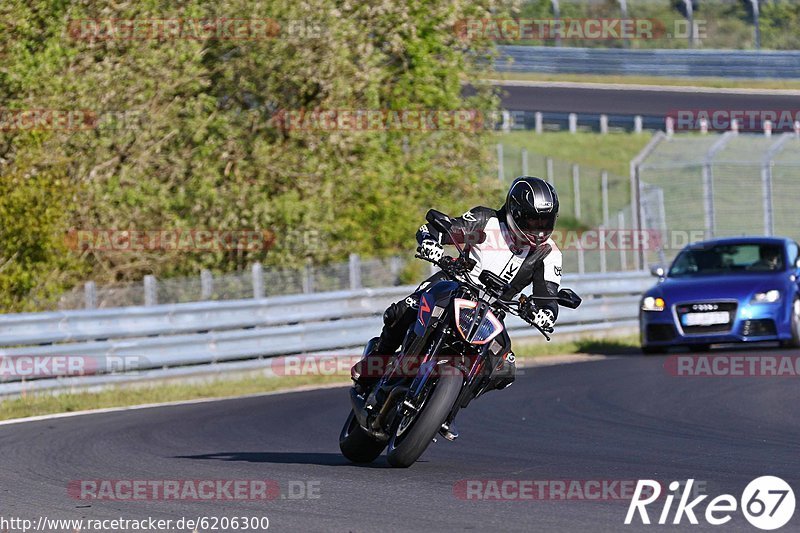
{"points": [[568, 298], [658, 271], [797, 263]]}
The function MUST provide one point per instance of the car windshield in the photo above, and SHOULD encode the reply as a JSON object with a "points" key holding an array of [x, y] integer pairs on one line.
{"points": [[728, 258]]}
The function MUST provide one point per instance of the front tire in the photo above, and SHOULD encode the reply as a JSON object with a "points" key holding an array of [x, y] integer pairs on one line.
{"points": [[654, 350], [794, 342], [356, 444], [405, 449]]}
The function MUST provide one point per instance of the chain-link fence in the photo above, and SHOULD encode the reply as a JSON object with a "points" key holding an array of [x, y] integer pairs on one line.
{"points": [[256, 283], [720, 185], [594, 206]]}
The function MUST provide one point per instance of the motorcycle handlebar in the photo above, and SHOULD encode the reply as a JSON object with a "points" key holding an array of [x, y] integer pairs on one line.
{"points": [[455, 266]]}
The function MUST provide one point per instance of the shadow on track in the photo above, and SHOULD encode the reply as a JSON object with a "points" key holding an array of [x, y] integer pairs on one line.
{"points": [[302, 458]]}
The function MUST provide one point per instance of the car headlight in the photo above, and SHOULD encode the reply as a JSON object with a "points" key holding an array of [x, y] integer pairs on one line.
{"points": [[652, 304], [767, 297]]}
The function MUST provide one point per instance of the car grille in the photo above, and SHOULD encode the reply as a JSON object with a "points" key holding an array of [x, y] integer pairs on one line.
{"points": [[706, 307], [660, 332], [763, 327]]}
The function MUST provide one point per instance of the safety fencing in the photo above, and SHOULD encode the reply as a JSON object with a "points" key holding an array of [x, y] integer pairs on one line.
{"points": [[683, 63], [143, 338]]}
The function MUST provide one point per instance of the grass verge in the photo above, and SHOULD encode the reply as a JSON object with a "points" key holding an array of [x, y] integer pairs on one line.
{"points": [[660, 81], [121, 396], [612, 152]]}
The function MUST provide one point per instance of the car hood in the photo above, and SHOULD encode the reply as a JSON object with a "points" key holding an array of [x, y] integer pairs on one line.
{"points": [[739, 287]]}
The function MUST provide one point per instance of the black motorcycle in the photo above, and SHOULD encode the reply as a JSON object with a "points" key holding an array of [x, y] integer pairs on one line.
{"points": [[446, 360]]}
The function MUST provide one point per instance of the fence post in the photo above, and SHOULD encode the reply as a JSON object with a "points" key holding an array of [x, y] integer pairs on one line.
{"points": [[549, 166], [90, 295], [524, 162], [708, 200], [355, 271], [501, 175], [395, 265], [150, 295], [604, 195], [206, 284], [538, 122], [602, 239], [576, 188], [603, 124], [506, 126], [308, 279], [573, 123], [766, 185], [623, 260], [637, 124], [258, 280]]}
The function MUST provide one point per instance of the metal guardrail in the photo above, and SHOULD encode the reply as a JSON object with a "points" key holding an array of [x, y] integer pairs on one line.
{"points": [[684, 63], [210, 332]]}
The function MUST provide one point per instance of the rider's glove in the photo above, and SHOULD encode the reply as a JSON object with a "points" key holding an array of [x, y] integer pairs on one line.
{"points": [[431, 250], [544, 318]]}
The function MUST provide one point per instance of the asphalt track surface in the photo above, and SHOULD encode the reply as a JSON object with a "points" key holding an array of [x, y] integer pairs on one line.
{"points": [[636, 102], [622, 418]]}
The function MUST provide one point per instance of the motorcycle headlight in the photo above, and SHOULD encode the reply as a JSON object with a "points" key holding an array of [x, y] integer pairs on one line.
{"points": [[489, 328], [767, 297], [652, 304]]}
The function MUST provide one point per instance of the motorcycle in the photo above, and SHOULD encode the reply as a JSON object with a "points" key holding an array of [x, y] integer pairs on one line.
{"points": [[445, 361]]}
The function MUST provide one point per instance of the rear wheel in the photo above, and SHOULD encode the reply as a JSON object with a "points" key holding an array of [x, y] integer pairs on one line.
{"points": [[413, 434], [356, 444], [794, 342]]}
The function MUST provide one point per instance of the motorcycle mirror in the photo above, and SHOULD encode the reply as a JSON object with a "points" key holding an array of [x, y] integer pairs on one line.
{"points": [[438, 220], [568, 298]]}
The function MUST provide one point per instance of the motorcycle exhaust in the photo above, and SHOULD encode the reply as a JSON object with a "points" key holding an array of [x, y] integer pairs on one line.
{"points": [[396, 393]]}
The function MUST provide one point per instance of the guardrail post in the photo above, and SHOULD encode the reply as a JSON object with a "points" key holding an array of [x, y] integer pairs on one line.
{"points": [[524, 162], [150, 294], [538, 122], [603, 124], [355, 271], [549, 166], [258, 280], [573, 123], [206, 284], [501, 175], [637, 124], [90, 295]]}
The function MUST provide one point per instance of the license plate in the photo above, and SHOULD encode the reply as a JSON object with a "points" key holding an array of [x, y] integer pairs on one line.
{"points": [[706, 319]]}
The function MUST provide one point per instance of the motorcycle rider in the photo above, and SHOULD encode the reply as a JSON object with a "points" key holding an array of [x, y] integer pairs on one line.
{"points": [[514, 243]]}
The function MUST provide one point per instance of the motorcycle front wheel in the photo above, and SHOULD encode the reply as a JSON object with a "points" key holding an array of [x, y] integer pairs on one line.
{"points": [[413, 433]]}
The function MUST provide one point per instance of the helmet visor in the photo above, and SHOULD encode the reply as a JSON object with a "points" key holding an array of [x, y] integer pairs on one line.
{"points": [[535, 229]]}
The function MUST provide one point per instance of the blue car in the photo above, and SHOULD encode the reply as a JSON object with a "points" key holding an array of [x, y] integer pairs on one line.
{"points": [[724, 291]]}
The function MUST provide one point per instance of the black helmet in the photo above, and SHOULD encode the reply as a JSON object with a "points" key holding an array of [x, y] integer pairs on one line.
{"points": [[531, 209]]}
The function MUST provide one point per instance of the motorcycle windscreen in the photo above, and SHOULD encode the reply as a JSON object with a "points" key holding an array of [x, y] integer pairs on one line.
{"points": [[489, 328]]}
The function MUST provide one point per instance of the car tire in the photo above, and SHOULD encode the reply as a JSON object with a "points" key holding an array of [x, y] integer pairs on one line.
{"points": [[794, 342], [699, 348], [654, 350]]}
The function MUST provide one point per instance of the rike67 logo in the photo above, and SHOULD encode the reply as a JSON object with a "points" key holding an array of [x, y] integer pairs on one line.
{"points": [[767, 503]]}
